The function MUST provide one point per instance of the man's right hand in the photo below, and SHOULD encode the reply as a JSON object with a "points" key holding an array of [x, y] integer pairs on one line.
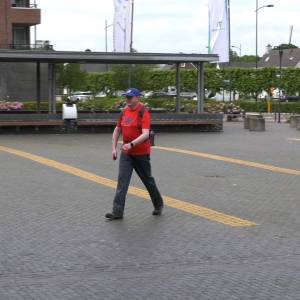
{"points": [[114, 154]]}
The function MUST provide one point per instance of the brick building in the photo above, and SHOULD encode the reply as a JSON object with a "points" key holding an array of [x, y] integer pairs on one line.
{"points": [[16, 18], [18, 80]]}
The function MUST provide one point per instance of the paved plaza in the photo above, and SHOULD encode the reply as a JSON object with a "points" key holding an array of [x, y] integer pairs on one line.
{"points": [[230, 229]]}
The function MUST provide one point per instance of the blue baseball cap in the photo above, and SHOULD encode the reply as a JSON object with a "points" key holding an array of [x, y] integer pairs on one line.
{"points": [[132, 92]]}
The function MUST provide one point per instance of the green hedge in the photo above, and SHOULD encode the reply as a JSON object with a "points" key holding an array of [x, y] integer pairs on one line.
{"points": [[169, 104], [247, 82], [259, 106], [252, 106]]}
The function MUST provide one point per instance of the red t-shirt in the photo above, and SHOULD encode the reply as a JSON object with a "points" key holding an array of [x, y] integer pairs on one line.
{"points": [[129, 125]]}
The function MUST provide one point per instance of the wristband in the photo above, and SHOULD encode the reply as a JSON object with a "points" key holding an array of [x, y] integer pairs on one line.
{"points": [[132, 145]]}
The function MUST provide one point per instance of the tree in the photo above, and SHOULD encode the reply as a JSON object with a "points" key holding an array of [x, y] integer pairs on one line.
{"points": [[139, 76], [247, 58], [99, 82], [285, 46], [70, 76]]}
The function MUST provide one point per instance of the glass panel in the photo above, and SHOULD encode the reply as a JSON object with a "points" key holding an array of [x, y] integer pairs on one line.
{"points": [[21, 37]]}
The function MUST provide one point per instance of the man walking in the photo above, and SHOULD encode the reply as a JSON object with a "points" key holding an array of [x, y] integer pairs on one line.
{"points": [[134, 124]]}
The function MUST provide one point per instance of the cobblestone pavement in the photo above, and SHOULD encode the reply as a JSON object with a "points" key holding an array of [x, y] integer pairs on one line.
{"points": [[55, 243]]}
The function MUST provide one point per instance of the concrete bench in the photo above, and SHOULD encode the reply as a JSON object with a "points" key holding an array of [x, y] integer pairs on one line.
{"points": [[14, 123], [210, 122], [36, 124]]}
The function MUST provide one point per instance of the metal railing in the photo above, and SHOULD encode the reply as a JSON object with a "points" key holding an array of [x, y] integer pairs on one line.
{"points": [[27, 47], [23, 4]]}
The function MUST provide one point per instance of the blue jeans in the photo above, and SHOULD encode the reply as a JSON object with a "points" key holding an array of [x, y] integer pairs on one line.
{"points": [[141, 165]]}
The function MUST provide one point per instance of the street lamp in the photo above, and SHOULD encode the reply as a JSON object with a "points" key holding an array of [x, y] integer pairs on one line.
{"points": [[106, 46], [280, 83], [105, 28], [240, 48], [256, 11]]}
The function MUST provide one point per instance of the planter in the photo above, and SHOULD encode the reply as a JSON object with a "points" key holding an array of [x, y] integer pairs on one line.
{"points": [[294, 121], [257, 124]]}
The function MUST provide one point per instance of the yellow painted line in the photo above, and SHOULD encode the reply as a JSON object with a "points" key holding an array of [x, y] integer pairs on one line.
{"points": [[245, 163], [190, 208]]}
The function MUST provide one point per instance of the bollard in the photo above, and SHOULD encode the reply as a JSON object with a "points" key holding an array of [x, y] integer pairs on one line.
{"points": [[257, 124], [269, 106], [294, 121]]}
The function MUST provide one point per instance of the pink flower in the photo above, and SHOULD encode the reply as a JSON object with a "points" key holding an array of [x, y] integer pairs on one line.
{"points": [[11, 105]]}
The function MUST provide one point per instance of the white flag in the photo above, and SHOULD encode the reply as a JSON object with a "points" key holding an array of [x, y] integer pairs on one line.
{"points": [[122, 26], [219, 29]]}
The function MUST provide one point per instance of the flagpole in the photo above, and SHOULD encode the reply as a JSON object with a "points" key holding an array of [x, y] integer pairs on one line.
{"points": [[131, 45], [229, 27], [208, 47], [131, 34], [229, 42]]}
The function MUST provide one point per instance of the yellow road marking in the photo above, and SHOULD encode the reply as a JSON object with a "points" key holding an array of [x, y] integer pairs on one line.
{"points": [[171, 202], [232, 160]]}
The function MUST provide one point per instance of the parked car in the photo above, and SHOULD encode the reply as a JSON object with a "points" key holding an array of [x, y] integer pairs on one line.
{"points": [[156, 94], [223, 96], [263, 95], [118, 93], [188, 95], [101, 95], [81, 96], [160, 94], [147, 94], [291, 98]]}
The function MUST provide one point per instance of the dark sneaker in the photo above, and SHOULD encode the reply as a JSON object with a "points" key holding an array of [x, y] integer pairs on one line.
{"points": [[158, 211], [112, 216]]}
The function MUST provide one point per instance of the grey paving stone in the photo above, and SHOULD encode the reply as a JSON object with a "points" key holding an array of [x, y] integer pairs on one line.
{"points": [[55, 243]]}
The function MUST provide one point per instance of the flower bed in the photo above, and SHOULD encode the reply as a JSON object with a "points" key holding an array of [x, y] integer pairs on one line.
{"points": [[7, 106], [189, 106]]}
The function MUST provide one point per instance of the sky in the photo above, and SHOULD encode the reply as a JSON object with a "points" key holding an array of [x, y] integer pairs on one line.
{"points": [[171, 26]]}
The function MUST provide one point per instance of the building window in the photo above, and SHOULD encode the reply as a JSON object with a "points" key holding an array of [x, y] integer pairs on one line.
{"points": [[21, 37], [20, 3]]}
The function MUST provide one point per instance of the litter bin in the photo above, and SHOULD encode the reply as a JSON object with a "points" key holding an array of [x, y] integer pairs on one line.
{"points": [[69, 111], [70, 115]]}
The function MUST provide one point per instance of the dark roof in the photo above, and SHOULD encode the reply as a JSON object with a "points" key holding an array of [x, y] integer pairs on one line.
{"points": [[290, 58], [101, 57]]}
